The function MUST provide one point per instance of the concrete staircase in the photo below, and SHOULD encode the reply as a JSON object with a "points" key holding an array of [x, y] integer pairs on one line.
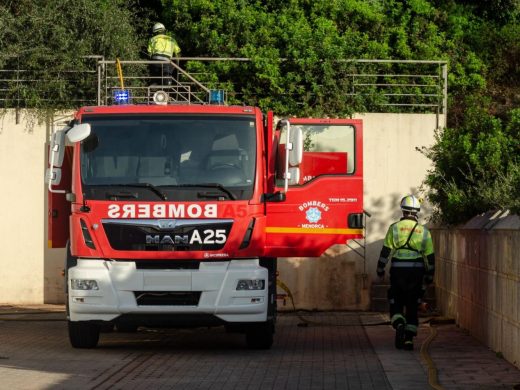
{"points": [[378, 297]]}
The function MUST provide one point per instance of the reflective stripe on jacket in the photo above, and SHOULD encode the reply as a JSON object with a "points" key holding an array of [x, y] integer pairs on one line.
{"points": [[419, 239]]}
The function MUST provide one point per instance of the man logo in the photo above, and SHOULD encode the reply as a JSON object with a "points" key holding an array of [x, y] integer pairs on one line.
{"points": [[206, 237], [167, 239]]}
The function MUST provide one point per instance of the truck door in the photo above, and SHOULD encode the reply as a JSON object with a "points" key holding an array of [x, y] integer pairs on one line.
{"points": [[323, 203], [58, 212]]}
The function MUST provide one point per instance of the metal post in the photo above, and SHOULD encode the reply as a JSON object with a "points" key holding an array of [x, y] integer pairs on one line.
{"points": [[17, 110], [445, 92], [99, 82]]}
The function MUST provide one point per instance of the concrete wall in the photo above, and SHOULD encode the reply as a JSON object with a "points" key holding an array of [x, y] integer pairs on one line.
{"points": [[340, 279], [478, 280], [22, 209]]}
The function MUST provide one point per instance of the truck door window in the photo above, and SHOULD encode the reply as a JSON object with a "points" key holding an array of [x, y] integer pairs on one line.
{"points": [[329, 149]]}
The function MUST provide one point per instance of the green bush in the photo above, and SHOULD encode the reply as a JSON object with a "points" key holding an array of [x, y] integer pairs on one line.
{"points": [[299, 53], [476, 167]]}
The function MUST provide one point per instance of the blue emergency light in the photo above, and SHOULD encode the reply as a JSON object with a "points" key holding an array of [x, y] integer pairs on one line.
{"points": [[216, 96], [122, 96]]}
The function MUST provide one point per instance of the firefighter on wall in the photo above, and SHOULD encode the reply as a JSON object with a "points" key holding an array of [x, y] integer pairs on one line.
{"points": [[409, 245], [162, 47]]}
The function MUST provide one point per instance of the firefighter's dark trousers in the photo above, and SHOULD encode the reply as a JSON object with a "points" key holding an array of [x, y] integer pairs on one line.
{"points": [[405, 294], [161, 73]]}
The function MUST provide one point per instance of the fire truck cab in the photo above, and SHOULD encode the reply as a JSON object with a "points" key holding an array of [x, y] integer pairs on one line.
{"points": [[175, 215]]}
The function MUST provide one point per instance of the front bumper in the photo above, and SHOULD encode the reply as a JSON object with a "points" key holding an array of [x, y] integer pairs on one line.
{"points": [[120, 283]]}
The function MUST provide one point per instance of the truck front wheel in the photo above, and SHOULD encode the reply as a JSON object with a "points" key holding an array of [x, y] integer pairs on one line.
{"points": [[260, 336], [83, 334]]}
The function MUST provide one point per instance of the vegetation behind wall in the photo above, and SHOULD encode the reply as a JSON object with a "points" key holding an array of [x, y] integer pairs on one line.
{"points": [[475, 159]]}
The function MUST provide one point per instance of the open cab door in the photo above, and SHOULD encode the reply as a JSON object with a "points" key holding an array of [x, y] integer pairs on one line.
{"points": [[59, 181], [315, 191], [58, 177]]}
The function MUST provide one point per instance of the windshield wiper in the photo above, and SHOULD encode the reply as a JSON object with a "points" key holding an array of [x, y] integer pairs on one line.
{"points": [[120, 195], [151, 187], [208, 185]]}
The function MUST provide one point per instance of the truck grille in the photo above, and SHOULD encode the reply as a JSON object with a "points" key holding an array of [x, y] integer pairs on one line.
{"points": [[152, 235], [167, 298]]}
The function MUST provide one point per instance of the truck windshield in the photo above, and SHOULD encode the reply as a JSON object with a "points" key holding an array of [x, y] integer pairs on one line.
{"points": [[169, 156]]}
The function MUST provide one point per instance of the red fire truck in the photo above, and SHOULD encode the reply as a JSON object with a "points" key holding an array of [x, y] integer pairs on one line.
{"points": [[174, 215]]}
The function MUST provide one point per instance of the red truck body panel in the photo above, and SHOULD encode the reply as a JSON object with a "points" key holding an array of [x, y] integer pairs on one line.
{"points": [[311, 219], [314, 215]]}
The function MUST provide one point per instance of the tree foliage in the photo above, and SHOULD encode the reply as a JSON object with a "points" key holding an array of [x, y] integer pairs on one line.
{"points": [[476, 167], [475, 160], [299, 50], [51, 41], [299, 53]]}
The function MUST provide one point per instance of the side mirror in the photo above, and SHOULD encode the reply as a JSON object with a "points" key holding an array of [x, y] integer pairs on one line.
{"points": [[293, 153], [293, 176], [296, 152], [57, 149], [53, 176], [79, 132]]}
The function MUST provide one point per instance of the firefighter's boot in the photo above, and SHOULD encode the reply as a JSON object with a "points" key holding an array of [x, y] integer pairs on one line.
{"points": [[399, 324], [408, 342]]}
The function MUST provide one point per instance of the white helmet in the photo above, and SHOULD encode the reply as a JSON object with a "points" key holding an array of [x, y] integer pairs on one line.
{"points": [[410, 204], [158, 27]]}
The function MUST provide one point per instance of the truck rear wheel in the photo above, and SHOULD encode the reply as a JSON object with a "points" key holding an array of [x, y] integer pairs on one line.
{"points": [[126, 328], [260, 336], [83, 334]]}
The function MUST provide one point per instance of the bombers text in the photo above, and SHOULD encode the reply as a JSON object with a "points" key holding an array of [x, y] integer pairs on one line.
{"points": [[159, 210]]}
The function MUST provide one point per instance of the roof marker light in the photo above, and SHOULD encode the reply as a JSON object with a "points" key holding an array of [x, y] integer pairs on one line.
{"points": [[160, 97], [216, 96], [122, 96]]}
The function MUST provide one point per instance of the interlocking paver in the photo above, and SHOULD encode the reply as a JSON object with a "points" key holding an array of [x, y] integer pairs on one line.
{"points": [[334, 355], [334, 351], [461, 361], [464, 363]]}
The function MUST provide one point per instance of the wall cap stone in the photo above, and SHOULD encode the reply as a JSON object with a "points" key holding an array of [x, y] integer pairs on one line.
{"points": [[491, 220]]}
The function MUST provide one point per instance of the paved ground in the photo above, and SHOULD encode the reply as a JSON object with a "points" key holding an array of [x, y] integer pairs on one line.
{"points": [[334, 351]]}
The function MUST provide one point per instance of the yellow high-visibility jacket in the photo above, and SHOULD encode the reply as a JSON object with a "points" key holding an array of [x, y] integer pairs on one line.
{"points": [[408, 244], [163, 45]]}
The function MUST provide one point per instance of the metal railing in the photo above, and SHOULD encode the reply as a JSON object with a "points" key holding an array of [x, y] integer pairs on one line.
{"points": [[22, 87], [181, 88], [418, 86], [380, 85]]}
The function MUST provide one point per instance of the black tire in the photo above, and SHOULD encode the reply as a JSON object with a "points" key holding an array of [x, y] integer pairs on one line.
{"points": [[70, 261], [106, 327], [260, 336], [83, 334], [271, 263], [126, 328], [234, 328]]}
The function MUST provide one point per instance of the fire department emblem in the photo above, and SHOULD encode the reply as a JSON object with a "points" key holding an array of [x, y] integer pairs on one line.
{"points": [[313, 215]]}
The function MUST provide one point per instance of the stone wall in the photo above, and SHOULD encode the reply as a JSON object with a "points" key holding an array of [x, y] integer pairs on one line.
{"points": [[478, 280]]}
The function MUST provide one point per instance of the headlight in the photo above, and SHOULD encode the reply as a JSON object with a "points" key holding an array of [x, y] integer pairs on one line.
{"points": [[83, 284], [251, 284]]}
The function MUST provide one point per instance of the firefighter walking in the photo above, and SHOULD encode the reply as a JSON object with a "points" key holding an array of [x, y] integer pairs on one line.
{"points": [[409, 246]]}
